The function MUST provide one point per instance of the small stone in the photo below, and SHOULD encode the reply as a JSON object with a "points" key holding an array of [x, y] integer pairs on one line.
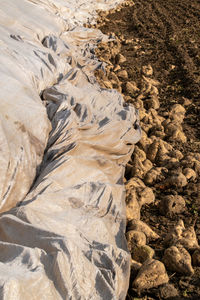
{"points": [[154, 175], [151, 274], [189, 173], [135, 237], [178, 259], [152, 150], [171, 205], [131, 88], [178, 180], [196, 258], [141, 253], [117, 68], [176, 154], [177, 112], [132, 206], [186, 101], [140, 153], [120, 59], [141, 226], [146, 196], [122, 74], [168, 291], [147, 70], [135, 267], [107, 84], [152, 102]]}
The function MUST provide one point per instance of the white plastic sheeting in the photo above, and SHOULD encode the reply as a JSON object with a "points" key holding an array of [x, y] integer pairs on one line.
{"points": [[62, 235]]}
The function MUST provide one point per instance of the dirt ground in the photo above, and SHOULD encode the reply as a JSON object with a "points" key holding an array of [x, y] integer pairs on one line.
{"points": [[166, 35]]}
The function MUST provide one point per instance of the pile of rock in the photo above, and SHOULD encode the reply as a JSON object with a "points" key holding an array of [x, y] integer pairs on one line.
{"points": [[156, 162]]}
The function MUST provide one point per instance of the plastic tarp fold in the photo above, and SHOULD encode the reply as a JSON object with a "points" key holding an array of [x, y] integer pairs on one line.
{"points": [[62, 159]]}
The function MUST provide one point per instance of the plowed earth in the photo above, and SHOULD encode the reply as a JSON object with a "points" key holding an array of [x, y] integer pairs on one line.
{"points": [[166, 35]]}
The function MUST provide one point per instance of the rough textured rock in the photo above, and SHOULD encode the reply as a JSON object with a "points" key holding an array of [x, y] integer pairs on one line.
{"points": [[170, 205], [141, 253], [151, 274], [141, 226], [168, 291], [196, 258], [135, 237], [177, 259]]}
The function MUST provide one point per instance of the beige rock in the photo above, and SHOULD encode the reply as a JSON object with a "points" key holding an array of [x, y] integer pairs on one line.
{"points": [[178, 259], [179, 235], [196, 258], [132, 206], [135, 237], [176, 154], [152, 102], [154, 175], [177, 112], [147, 70], [189, 173], [152, 150], [140, 153], [171, 205], [138, 225], [122, 74], [146, 196], [177, 179], [147, 165], [168, 291], [135, 265], [131, 88], [151, 274], [141, 253], [108, 84], [120, 59]]}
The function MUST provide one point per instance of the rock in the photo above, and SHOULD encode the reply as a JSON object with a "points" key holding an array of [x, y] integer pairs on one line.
{"points": [[177, 113], [146, 196], [120, 59], [136, 189], [135, 237], [116, 68], [138, 225], [122, 74], [151, 274], [154, 175], [144, 141], [130, 88], [177, 179], [147, 165], [132, 207], [135, 267], [188, 239], [177, 259], [168, 291], [152, 102], [176, 154], [152, 150], [141, 253], [189, 173], [175, 132], [147, 70], [196, 258], [179, 235], [140, 153], [108, 84], [171, 205], [138, 169]]}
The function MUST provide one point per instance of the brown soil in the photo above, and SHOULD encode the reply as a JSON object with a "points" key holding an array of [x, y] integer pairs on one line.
{"points": [[166, 35]]}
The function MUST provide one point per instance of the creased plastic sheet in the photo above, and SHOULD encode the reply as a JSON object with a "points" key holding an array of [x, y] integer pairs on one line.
{"points": [[61, 159]]}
